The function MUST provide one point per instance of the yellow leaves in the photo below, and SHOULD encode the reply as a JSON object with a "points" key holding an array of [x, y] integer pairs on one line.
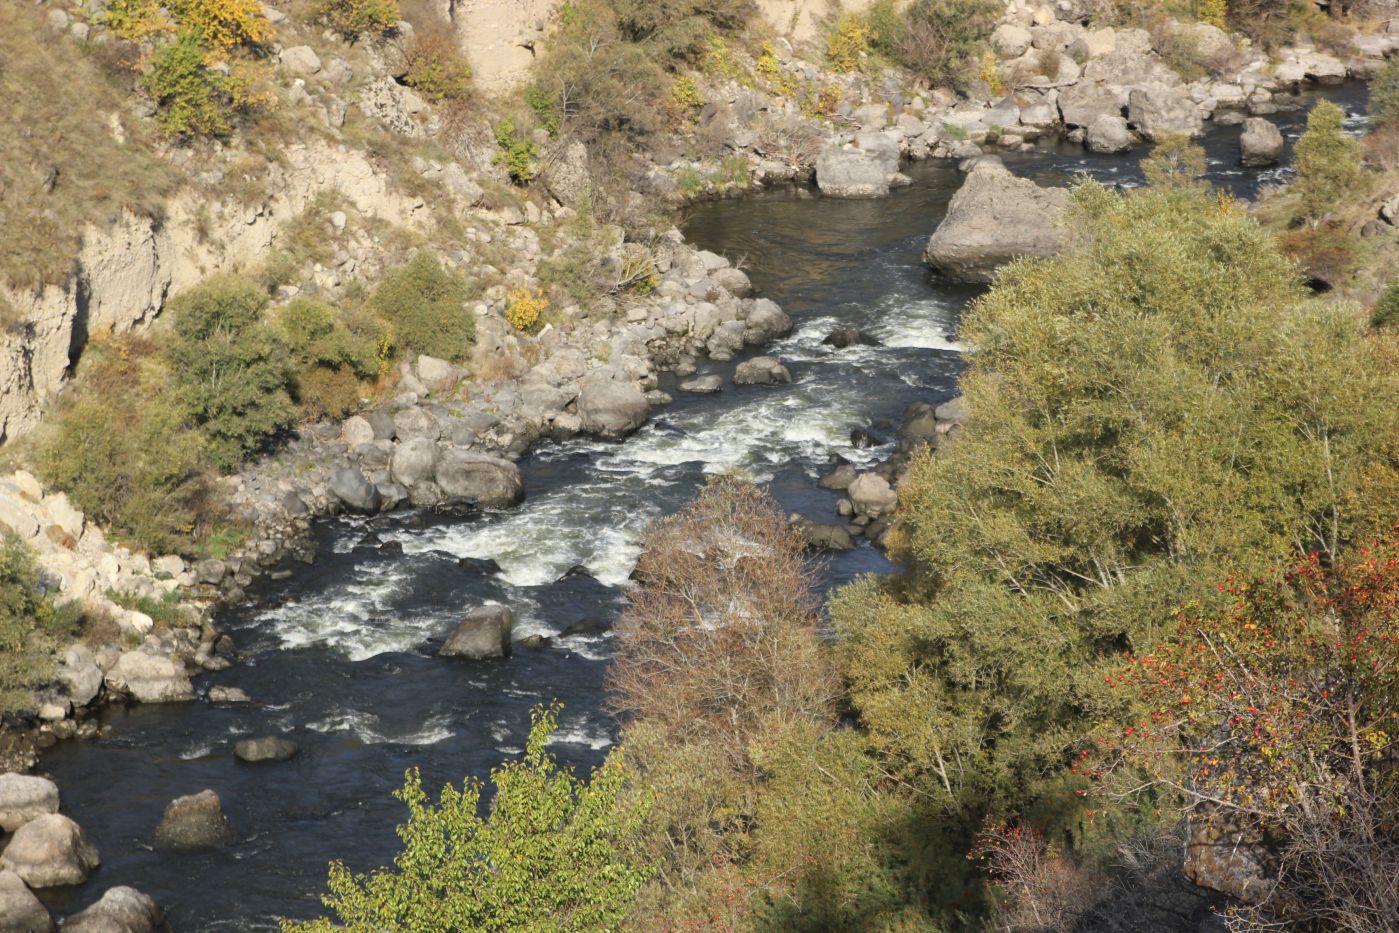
{"points": [[523, 307], [223, 25], [848, 43]]}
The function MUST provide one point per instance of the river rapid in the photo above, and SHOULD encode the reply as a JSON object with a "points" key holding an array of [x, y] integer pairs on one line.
{"points": [[341, 657]]}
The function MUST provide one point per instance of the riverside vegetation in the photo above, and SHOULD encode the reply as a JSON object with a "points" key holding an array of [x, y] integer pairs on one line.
{"points": [[1163, 416]]}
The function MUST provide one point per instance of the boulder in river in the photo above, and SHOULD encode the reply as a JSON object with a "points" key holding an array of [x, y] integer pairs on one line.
{"points": [[587, 627], [265, 748], [761, 371], [357, 493], [483, 633], [1157, 110], [953, 411], [872, 496], [79, 674], [150, 678], [838, 479], [611, 405], [765, 323], [20, 910], [25, 797], [1108, 134], [843, 337], [850, 173], [50, 851], [824, 537], [702, 385], [1260, 143], [194, 822], [482, 565], [119, 910], [993, 218], [492, 481], [413, 461]]}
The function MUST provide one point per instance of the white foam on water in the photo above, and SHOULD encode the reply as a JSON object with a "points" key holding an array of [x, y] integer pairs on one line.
{"points": [[593, 737], [364, 726], [198, 750]]}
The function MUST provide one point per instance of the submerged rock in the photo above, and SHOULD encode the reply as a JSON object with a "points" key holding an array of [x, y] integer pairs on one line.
{"points": [[483, 633], [702, 385], [265, 748], [761, 370]]}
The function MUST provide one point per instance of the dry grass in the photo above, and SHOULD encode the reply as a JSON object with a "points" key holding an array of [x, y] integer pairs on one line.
{"points": [[61, 164]]}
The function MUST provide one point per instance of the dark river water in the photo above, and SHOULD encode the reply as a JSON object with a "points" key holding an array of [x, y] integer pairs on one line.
{"points": [[342, 656]]}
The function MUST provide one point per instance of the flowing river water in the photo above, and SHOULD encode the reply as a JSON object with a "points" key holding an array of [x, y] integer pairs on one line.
{"points": [[341, 657]]}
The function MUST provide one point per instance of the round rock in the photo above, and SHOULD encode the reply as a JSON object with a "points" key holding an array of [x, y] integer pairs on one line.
{"points": [[120, 910], [194, 822], [20, 910], [50, 851], [25, 797], [265, 748]]}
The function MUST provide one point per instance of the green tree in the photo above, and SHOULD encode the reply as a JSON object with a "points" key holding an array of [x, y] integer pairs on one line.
{"points": [[1327, 161], [31, 626], [1384, 94], [424, 305], [229, 369], [553, 853], [327, 358], [1161, 401]]}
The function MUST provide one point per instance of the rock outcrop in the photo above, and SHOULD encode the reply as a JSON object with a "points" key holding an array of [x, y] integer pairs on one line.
{"points": [[993, 218]]}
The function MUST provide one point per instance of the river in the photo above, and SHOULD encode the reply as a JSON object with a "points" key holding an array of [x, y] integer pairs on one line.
{"points": [[341, 657]]}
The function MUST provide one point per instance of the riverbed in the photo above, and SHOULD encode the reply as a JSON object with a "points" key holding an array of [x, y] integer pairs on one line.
{"points": [[342, 656]]}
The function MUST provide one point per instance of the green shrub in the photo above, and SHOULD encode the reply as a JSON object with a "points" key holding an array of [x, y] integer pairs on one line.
{"points": [[192, 97], [329, 361], [678, 30], [353, 19], [940, 40], [553, 852], [1327, 161], [1385, 314], [32, 627], [229, 369], [1384, 94], [516, 152], [166, 611], [545, 109], [425, 309], [119, 443]]}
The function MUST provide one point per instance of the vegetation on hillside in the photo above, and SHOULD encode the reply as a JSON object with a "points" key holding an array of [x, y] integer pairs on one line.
{"points": [[33, 627]]}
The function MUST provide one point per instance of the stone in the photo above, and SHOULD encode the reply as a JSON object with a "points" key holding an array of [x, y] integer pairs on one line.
{"points": [[79, 674], [196, 821], [824, 537], [765, 323], [223, 694], [168, 565], [355, 431], [119, 910], [25, 797], [300, 61], [50, 851], [20, 910], [850, 173], [1010, 40], [265, 748], [702, 385], [413, 461], [1082, 103], [1260, 143], [1108, 134], [761, 370], [354, 491], [494, 483], [150, 678], [483, 633], [838, 479], [843, 337], [567, 173], [416, 422], [872, 496], [953, 411], [1160, 109], [611, 405], [382, 423], [438, 375], [993, 218]]}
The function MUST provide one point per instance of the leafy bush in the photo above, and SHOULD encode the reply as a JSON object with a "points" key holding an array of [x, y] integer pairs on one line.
{"points": [[552, 853], [32, 627], [229, 369], [1384, 94], [678, 30], [516, 152], [166, 611], [222, 25], [193, 98], [1386, 311], [118, 443], [436, 66], [1327, 161], [939, 40], [353, 19], [134, 20], [523, 307], [329, 361], [425, 308], [847, 43]]}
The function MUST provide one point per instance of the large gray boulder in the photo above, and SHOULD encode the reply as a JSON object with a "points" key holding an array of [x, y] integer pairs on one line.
{"points": [[993, 218], [50, 851], [25, 797], [1260, 143], [611, 405], [1108, 134], [1082, 103], [20, 910], [872, 496], [354, 491], [120, 910], [150, 678], [193, 822], [483, 633], [492, 481], [1157, 110], [765, 323], [413, 461], [761, 371], [79, 674], [850, 173]]}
